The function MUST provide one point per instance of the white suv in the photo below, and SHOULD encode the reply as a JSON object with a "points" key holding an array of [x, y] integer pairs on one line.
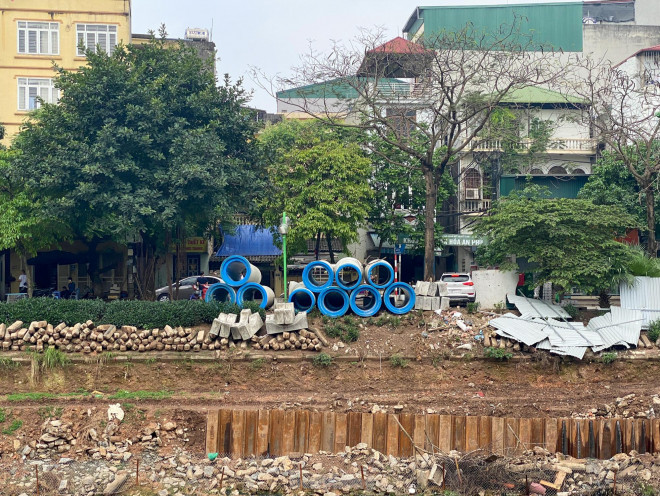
{"points": [[460, 287]]}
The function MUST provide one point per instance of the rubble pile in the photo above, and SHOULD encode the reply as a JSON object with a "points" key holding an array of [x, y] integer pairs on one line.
{"points": [[56, 436]]}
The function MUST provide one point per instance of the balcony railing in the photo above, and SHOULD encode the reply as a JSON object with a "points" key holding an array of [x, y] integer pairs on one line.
{"points": [[557, 145], [474, 206]]}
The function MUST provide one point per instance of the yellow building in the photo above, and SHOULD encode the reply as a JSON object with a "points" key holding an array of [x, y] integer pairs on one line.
{"points": [[35, 34]]}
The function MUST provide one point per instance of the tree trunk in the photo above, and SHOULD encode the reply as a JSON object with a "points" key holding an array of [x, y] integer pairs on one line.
{"points": [[429, 222], [168, 263], [652, 243], [332, 253], [94, 269], [28, 274], [318, 245]]}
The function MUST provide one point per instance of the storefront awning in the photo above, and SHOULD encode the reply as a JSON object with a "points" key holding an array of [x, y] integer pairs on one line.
{"points": [[250, 242]]}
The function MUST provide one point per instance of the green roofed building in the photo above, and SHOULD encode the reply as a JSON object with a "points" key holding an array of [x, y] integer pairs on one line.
{"points": [[611, 29]]}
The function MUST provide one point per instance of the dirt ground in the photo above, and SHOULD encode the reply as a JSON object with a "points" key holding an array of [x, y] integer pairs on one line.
{"points": [[437, 378]]}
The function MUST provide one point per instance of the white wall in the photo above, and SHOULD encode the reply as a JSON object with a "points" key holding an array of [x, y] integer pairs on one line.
{"points": [[492, 286]]}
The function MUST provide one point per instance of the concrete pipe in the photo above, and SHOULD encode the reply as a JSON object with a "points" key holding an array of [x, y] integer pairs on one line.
{"points": [[237, 271], [333, 302], [318, 275], [220, 292], [252, 291], [379, 273], [365, 301], [399, 298], [302, 298], [348, 273]]}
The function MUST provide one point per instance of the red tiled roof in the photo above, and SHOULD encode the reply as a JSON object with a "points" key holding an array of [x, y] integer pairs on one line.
{"points": [[655, 48], [398, 45]]}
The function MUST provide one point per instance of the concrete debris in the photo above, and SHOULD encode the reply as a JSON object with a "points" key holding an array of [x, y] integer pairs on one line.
{"points": [[620, 327], [115, 412]]}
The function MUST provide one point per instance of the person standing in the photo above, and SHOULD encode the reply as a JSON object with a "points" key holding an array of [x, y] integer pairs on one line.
{"points": [[22, 282]]}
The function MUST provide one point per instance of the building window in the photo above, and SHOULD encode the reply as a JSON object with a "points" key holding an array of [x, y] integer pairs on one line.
{"points": [[32, 91], [96, 37], [38, 38]]}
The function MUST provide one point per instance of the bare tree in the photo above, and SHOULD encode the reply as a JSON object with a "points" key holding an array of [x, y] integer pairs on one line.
{"points": [[430, 100], [625, 116]]}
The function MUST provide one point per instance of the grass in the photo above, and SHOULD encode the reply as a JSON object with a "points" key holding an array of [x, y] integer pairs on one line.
{"points": [[609, 357], [397, 360], [54, 358], [346, 330], [257, 364], [3, 415], [42, 396], [122, 394], [13, 427], [49, 412], [8, 363], [472, 307], [322, 360], [498, 354]]}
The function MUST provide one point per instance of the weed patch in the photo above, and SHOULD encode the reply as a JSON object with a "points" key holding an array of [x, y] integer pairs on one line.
{"points": [[122, 394]]}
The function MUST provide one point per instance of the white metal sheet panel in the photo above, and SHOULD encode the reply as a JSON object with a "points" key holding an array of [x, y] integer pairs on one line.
{"points": [[537, 308]]}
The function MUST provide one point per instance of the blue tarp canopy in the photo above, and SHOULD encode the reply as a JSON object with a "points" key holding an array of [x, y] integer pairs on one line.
{"points": [[250, 242]]}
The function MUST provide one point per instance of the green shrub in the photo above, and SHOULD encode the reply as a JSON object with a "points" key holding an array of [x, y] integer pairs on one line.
{"points": [[498, 353], [3, 415], [322, 360], [347, 330], [571, 310], [472, 307], [609, 357], [397, 360], [257, 364], [654, 331], [144, 314]]}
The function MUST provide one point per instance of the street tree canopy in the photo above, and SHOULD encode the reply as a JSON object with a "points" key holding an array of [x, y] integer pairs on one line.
{"points": [[624, 116], [319, 177], [460, 78], [571, 241], [142, 144]]}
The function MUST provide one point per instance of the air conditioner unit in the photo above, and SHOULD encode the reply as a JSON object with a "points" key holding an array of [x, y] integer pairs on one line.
{"points": [[472, 194]]}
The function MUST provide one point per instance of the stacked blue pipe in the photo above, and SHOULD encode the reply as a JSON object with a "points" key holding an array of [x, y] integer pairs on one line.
{"points": [[242, 282], [349, 285]]}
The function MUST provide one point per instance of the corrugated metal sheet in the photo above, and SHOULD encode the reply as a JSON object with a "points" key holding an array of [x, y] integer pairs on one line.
{"points": [[537, 308], [574, 351], [643, 295], [620, 327], [557, 26], [514, 327]]}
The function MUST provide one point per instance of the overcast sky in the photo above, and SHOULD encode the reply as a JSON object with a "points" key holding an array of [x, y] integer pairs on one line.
{"points": [[271, 34]]}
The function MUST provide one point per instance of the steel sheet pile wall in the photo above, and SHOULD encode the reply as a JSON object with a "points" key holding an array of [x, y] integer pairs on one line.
{"points": [[348, 284], [241, 433], [241, 282]]}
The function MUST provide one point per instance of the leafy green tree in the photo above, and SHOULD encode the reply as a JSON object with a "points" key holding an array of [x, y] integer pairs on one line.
{"points": [[142, 144], [25, 225], [319, 178], [611, 183], [571, 241]]}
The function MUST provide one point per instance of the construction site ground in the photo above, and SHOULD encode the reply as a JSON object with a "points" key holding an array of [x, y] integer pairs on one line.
{"points": [[430, 375]]}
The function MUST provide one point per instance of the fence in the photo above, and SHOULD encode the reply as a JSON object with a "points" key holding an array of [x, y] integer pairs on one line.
{"points": [[241, 433]]}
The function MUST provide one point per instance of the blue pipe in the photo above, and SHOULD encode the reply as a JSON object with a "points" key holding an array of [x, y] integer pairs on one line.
{"points": [[252, 286], [409, 298], [311, 283], [220, 292], [303, 299], [230, 275], [381, 264], [333, 302], [373, 304]]}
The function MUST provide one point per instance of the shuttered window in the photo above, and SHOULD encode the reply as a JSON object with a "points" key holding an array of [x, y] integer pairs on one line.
{"points": [[96, 37], [38, 38], [33, 91]]}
